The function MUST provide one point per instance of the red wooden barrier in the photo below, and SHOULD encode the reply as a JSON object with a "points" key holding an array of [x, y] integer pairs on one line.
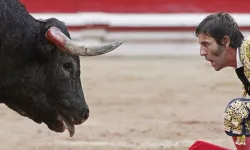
{"points": [[137, 6]]}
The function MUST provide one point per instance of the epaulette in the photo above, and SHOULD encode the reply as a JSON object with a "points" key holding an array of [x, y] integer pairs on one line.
{"points": [[244, 53]]}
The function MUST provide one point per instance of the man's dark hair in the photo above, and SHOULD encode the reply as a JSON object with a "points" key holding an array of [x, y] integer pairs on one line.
{"points": [[218, 25]]}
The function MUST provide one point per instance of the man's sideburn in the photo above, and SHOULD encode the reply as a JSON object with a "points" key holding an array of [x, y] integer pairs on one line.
{"points": [[219, 51]]}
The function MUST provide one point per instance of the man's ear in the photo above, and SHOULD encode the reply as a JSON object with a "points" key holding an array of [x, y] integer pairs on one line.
{"points": [[225, 41]]}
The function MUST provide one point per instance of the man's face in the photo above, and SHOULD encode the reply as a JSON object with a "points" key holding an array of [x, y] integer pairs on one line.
{"points": [[212, 52]]}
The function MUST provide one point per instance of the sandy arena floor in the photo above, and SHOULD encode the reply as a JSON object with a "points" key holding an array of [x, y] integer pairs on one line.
{"points": [[137, 103]]}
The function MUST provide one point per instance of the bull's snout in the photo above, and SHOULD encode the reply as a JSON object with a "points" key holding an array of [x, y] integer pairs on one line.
{"points": [[81, 116], [77, 116]]}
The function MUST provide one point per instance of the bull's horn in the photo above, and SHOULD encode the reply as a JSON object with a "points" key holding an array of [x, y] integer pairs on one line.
{"points": [[58, 38]]}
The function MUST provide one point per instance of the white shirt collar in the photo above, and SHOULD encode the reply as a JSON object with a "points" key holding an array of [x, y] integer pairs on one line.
{"points": [[239, 64]]}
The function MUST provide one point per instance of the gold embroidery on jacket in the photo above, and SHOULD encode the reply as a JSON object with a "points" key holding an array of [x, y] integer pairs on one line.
{"points": [[237, 111]]}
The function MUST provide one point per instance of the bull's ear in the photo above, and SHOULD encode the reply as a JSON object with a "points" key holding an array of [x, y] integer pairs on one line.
{"points": [[45, 46], [46, 50], [53, 22]]}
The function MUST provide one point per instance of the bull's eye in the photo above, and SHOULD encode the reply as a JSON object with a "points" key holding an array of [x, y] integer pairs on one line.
{"points": [[68, 66]]}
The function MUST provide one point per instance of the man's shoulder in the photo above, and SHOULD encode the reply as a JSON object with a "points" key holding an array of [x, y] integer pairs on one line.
{"points": [[244, 52]]}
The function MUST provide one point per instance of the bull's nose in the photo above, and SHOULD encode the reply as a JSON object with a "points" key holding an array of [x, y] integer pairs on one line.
{"points": [[85, 114], [80, 116]]}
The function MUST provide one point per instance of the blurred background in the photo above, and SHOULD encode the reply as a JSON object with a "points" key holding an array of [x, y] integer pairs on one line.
{"points": [[158, 22], [154, 92]]}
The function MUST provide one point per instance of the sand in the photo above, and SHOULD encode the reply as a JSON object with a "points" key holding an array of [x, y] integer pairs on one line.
{"points": [[137, 103]]}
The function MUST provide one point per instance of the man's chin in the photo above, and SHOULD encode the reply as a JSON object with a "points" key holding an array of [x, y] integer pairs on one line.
{"points": [[218, 68]]}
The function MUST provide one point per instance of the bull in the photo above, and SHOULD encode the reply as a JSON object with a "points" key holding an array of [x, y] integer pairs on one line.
{"points": [[40, 68]]}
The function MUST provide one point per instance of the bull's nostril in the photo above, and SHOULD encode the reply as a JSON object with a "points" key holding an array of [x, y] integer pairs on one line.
{"points": [[85, 114], [82, 117]]}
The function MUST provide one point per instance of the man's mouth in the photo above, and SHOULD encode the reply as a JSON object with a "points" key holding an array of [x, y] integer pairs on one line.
{"points": [[212, 63]]}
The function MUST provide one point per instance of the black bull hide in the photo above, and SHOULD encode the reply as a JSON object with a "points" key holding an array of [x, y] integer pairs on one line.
{"points": [[40, 68]]}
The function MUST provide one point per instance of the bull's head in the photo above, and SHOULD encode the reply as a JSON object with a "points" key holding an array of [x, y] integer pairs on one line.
{"points": [[64, 85], [48, 86]]}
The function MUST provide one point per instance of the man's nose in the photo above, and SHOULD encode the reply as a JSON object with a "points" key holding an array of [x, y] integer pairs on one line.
{"points": [[203, 52]]}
